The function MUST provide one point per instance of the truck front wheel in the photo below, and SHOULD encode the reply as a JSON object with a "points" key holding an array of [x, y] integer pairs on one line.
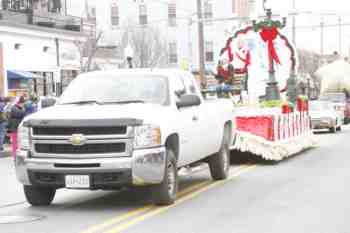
{"points": [[165, 192], [219, 163], [39, 196]]}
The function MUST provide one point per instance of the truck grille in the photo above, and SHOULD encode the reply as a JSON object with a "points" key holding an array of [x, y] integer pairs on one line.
{"points": [[84, 149], [68, 131]]}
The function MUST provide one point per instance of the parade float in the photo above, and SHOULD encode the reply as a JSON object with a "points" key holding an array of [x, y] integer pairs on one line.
{"points": [[259, 65]]}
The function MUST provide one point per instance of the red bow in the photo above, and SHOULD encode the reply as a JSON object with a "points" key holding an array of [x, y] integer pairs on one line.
{"points": [[246, 60], [268, 35]]}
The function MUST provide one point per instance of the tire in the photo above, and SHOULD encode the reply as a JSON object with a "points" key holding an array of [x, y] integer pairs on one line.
{"points": [[39, 196], [219, 163], [339, 128], [333, 129], [165, 192]]}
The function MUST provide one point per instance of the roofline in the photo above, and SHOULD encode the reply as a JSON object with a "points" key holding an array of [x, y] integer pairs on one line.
{"points": [[54, 31], [158, 71]]}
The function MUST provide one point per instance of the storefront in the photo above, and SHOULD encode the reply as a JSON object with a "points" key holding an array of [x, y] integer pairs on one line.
{"points": [[29, 62]]}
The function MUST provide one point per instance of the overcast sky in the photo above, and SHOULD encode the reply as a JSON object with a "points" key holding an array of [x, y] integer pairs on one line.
{"points": [[306, 36], [310, 37]]}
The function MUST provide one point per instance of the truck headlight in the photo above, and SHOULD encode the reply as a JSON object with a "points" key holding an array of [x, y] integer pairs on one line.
{"points": [[147, 136], [23, 138]]}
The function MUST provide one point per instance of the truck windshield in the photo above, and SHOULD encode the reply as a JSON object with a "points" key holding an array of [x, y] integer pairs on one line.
{"points": [[320, 105], [114, 89]]}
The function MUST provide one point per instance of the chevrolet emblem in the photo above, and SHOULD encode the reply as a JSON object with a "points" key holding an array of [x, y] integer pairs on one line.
{"points": [[77, 140]]}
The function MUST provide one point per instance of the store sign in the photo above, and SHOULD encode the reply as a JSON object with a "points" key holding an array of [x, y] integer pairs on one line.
{"points": [[2, 71]]}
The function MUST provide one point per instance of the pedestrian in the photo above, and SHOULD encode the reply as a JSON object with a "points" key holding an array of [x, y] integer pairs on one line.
{"points": [[30, 105], [3, 123], [16, 116]]}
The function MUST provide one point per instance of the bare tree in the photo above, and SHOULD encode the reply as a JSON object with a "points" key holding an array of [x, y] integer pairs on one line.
{"points": [[87, 51], [309, 61], [150, 49]]}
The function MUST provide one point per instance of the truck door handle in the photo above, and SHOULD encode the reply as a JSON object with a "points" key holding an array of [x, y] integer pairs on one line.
{"points": [[194, 118]]}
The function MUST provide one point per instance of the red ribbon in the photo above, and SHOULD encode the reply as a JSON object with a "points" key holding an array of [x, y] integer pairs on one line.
{"points": [[229, 50], [245, 60], [269, 35]]}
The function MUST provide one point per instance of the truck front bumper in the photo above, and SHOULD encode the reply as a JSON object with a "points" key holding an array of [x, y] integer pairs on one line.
{"points": [[144, 167]]}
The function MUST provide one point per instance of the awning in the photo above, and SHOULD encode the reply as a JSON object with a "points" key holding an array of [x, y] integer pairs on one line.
{"points": [[17, 74]]}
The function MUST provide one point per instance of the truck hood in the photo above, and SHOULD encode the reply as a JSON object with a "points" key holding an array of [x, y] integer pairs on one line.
{"points": [[322, 114], [147, 112]]}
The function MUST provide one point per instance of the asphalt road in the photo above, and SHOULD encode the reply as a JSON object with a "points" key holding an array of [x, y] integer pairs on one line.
{"points": [[306, 193]]}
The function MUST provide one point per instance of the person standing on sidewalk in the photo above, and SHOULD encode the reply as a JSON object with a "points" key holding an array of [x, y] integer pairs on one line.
{"points": [[16, 116], [3, 123]]}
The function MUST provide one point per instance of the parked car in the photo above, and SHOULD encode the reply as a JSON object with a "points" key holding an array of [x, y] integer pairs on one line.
{"points": [[340, 102], [112, 129], [324, 116]]}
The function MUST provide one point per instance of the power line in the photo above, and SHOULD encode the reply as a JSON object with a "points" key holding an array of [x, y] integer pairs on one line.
{"points": [[319, 25]]}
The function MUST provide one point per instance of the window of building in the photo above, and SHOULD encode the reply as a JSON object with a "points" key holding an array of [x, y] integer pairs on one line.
{"points": [[143, 14], [16, 5], [234, 6], [119, 52], [115, 15], [172, 53], [209, 51], [54, 6], [172, 14], [208, 11], [93, 14]]}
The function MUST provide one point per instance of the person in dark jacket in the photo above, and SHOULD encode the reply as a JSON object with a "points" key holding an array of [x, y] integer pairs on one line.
{"points": [[3, 123], [16, 116]]}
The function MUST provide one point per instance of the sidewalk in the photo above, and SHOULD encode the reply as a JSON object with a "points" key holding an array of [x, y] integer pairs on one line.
{"points": [[7, 151]]}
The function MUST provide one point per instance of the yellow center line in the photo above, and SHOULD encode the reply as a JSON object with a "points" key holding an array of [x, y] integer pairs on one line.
{"points": [[182, 199], [147, 208]]}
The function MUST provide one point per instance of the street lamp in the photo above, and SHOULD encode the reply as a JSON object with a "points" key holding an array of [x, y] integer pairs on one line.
{"points": [[268, 30], [129, 53], [308, 79]]}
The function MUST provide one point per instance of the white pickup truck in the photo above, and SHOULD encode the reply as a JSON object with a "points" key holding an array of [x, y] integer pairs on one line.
{"points": [[112, 129]]}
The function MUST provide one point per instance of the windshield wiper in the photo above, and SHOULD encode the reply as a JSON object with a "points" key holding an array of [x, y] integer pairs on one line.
{"points": [[84, 102], [124, 102]]}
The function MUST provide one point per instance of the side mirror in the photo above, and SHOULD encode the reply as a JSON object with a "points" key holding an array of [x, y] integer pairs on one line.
{"points": [[188, 101], [179, 93], [48, 102]]}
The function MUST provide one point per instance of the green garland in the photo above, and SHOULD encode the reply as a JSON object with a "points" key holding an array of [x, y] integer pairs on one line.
{"points": [[271, 104], [267, 24]]}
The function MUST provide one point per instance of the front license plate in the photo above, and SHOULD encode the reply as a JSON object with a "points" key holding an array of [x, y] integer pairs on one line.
{"points": [[77, 181]]}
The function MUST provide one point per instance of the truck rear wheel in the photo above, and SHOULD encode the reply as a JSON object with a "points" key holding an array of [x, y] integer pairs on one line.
{"points": [[165, 192], [39, 196], [219, 163]]}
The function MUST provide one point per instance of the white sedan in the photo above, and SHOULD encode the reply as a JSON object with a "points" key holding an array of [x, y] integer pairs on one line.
{"points": [[324, 116]]}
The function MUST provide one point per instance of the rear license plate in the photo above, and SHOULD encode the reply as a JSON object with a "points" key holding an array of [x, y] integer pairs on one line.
{"points": [[77, 181]]}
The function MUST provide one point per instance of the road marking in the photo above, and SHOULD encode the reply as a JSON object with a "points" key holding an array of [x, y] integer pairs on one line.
{"points": [[148, 208], [157, 210], [12, 204]]}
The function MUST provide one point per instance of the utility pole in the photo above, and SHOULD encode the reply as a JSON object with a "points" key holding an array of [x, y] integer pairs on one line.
{"points": [[201, 45], [321, 47], [294, 25], [58, 85], [340, 34]]}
